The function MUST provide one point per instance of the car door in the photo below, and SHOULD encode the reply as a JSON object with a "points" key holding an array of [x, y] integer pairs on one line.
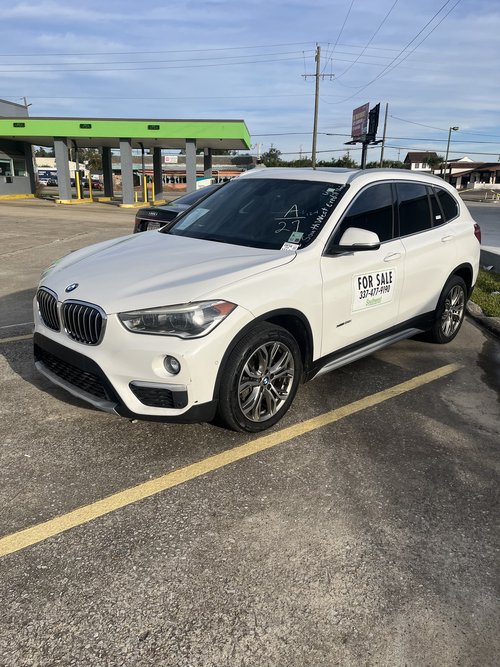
{"points": [[430, 248], [361, 290]]}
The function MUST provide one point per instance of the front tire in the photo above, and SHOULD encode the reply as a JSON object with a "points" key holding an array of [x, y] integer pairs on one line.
{"points": [[450, 311], [260, 379]]}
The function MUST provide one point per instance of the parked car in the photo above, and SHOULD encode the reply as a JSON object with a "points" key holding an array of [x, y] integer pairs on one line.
{"points": [[279, 276], [154, 217]]}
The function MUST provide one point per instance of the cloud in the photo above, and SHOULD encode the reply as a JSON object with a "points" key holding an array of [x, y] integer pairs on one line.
{"points": [[450, 79]]}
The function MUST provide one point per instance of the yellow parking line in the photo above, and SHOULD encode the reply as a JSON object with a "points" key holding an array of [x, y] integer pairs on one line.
{"points": [[13, 339], [38, 533]]}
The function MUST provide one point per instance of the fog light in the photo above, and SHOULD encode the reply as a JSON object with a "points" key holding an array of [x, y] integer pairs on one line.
{"points": [[172, 365]]}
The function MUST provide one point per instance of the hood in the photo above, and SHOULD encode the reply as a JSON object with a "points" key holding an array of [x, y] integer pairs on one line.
{"points": [[154, 269]]}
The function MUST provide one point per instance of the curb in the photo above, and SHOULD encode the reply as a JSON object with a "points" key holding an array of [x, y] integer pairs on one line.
{"points": [[491, 324]]}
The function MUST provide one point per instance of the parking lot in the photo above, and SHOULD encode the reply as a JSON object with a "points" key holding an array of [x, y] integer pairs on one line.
{"points": [[362, 530]]}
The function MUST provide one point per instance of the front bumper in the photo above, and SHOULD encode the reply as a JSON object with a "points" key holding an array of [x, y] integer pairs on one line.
{"points": [[82, 377], [125, 373]]}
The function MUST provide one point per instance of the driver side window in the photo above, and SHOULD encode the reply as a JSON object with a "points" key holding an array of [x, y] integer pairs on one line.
{"points": [[372, 210]]}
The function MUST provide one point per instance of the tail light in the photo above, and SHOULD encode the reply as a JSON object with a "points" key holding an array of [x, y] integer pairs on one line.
{"points": [[477, 232]]}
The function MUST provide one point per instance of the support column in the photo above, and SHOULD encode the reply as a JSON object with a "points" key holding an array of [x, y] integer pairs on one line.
{"points": [[30, 166], [190, 165], [107, 171], [207, 162], [127, 171], [62, 164], [157, 172]]}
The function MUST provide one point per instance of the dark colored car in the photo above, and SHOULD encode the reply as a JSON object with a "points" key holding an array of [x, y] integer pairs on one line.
{"points": [[154, 217]]}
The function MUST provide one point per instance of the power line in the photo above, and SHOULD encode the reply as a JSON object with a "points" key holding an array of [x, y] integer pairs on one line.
{"points": [[173, 51], [405, 148], [142, 97], [338, 36], [163, 67], [443, 141], [369, 41], [130, 53], [478, 134], [126, 69], [421, 124], [145, 62], [394, 62], [424, 38]]}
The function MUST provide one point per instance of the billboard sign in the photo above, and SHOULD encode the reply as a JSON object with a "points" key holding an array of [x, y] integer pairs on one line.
{"points": [[360, 122], [373, 122]]}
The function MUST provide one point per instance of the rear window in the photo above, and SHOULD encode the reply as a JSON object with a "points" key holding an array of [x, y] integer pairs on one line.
{"points": [[448, 204]]}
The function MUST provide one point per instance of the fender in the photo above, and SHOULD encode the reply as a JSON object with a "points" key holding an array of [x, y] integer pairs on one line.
{"points": [[273, 316]]}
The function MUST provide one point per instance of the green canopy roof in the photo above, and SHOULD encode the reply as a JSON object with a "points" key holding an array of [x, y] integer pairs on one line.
{"points": [[151, 132]]}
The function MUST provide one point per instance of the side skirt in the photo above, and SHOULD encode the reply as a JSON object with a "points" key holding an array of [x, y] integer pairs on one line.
{"points": [[370, 345]]}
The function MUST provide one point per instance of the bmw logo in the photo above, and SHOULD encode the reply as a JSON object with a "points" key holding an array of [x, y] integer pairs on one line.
{"points": [[71, 287]]}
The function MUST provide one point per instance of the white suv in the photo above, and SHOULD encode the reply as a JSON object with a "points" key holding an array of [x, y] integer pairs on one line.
{"points": [[279, 276]]}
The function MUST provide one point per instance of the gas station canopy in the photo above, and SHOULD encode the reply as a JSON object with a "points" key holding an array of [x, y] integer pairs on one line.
{"points": [[107, 132]]}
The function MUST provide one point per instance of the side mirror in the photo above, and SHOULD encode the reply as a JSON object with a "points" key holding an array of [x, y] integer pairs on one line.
{"points": [[354, 240]]}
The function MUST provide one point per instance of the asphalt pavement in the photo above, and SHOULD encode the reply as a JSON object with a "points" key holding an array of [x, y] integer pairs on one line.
{"points": [[363, 530]]}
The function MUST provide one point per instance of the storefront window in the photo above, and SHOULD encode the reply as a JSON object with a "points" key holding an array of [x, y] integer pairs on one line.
{"points": [[5, 167], [19, 167]]}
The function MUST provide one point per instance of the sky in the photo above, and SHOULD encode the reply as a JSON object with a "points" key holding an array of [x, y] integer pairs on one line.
{"points": [[435, 63]]}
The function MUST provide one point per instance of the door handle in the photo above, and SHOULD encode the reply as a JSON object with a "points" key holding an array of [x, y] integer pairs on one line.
{"points": [[450, 237], [393, 255]]}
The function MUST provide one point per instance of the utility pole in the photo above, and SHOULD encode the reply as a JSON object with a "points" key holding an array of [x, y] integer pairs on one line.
{"points": [[316, 105], [316, 101], [383, 138], [452, 129]]}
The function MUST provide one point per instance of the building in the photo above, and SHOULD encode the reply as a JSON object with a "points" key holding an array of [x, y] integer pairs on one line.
{"points": [[417, 160], [17, 173], [173, 169], [465, 174]]}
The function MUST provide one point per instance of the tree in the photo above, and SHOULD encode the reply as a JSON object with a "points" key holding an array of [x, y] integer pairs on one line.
{"points": [[344, 161], [434, 161], [302, 162], [271, 158], [42, 152], [387, 164], [223, 151], [92, 159]]}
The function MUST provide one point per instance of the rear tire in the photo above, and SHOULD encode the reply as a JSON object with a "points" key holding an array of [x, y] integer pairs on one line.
{"points": [[450, 311], [260, 379]]}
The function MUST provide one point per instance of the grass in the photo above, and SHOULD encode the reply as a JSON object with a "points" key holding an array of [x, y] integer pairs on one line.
{"points": [[488, 282]]}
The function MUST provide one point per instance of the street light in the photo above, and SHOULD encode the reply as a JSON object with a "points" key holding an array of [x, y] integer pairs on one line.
{"points": [[454, 129]]}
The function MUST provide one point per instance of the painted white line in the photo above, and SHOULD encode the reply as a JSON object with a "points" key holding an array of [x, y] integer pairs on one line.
{"points": [[11, 326]]}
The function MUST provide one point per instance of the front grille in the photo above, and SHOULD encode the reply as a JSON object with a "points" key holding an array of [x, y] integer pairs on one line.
{"points": [[84, 380], [47, 305], [83, 322], [153, 396]]}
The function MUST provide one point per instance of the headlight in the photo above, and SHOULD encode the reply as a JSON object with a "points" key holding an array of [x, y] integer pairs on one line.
{"points": [[188, 320]]}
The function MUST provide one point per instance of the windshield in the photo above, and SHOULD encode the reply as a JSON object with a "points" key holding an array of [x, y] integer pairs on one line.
{"points": [[262, 213]]}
